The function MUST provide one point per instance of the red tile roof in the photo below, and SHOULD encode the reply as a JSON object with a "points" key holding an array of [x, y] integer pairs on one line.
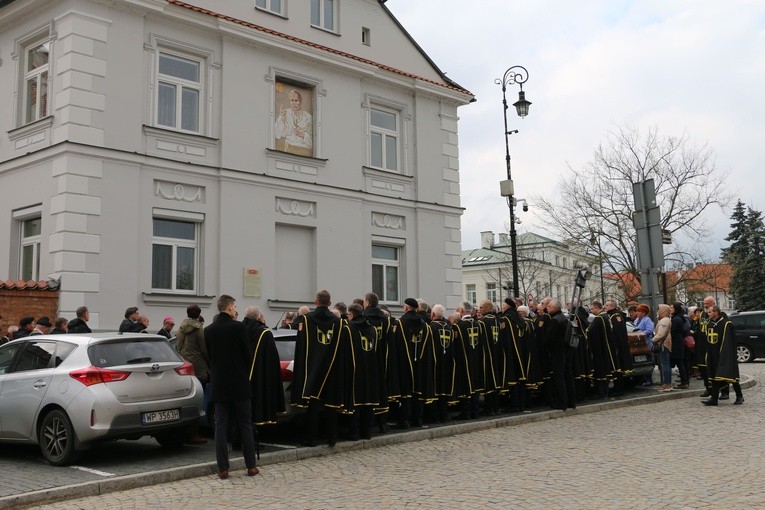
{"points": [[30, 285], [208, 12]]}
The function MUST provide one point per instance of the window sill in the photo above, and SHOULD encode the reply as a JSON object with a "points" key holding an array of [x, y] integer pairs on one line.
{"points": [[272, 13], [295, 158], [332, 32], [31, 133], [168, 298]]}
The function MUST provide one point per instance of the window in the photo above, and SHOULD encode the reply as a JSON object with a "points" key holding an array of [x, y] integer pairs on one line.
{"points": [[383, 139], [29, 255], [491, 292], [470, 294], [179, 92], [36, 74], [174, 255], [565, 263], [385, 273], [366, 36], [275, 6], [324, 14], [36, 356]]}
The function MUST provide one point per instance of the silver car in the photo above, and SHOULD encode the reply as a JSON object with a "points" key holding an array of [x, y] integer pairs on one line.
{"points": [[68, 392]]}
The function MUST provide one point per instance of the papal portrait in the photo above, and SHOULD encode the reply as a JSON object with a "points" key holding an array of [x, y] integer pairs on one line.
{"points": [[293, 127]]}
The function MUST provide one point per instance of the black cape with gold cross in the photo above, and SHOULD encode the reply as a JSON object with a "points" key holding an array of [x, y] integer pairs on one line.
{"points": [[621, 341], [599, 339], [318, 369], [516, 336], [494, 362], [362, 385], [443, 343], [265, 374], [416, 357], [387, 357], [468, 358], [722, 363]]}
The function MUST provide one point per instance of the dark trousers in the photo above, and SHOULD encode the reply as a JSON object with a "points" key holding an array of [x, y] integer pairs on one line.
{"points": [[717, 386], [314, 409], [410, 412], [519, 397], [241, 410], [680, 364], [563, 391], [362, 422]]}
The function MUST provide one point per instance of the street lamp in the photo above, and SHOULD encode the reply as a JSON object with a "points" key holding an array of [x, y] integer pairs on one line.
{"points": [[593, 240], [514, 75]]}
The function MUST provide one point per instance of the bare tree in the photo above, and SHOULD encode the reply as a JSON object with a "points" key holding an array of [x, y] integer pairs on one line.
{"points": [[598, 198]]}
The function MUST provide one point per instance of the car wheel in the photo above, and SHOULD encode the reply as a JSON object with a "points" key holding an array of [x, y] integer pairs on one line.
{"points": [[744, 354], [56, 439], [174, 438]]}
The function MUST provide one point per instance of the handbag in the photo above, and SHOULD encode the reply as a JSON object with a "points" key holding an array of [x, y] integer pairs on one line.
{"points": [[689, 342], [656, 348]]}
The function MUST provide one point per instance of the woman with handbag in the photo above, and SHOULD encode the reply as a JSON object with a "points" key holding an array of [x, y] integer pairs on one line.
{"points": [[663, 339]]}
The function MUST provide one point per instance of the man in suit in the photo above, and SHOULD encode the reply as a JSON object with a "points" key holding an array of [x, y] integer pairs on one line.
{"points": [[228, 347]]}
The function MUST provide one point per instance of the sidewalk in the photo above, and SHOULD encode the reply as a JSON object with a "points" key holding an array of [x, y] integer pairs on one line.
{"points": [[640, 396]]}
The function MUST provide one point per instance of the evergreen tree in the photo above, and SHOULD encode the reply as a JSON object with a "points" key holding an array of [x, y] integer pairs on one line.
{"points": [[747, 255]]}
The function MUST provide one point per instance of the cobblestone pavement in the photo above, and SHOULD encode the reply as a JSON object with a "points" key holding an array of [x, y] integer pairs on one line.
{"points": [[671, 454]]}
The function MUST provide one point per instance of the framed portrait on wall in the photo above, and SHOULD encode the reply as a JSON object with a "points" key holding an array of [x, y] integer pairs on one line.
{"points": [[293, 126]]}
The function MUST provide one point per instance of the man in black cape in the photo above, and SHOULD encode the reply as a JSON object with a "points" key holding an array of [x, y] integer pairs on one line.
{"points": [[722, 364], [362, 383], [600, 340], [562, 392], [543, 357], [468, 359], [443, 343], [265, 370], [517, 339], [318, 369], [621, 341], [387, 358], [411, 338], [494, 362]]}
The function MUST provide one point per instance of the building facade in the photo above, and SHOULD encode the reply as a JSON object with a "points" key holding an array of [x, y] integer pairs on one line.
{"points": [[158, 153], [545, 268]]}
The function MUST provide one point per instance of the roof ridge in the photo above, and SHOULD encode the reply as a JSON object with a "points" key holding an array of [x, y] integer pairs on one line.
{"points": [[379, 65]]}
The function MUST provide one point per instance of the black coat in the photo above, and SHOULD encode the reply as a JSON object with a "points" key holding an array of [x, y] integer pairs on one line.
{"points": [[229, 352], [78, 326], [265, 374]]}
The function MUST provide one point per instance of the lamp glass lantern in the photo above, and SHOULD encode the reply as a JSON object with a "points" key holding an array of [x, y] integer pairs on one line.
{"points": [[522, 105]]}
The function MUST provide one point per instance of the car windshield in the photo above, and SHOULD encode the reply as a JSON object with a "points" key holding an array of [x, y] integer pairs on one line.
{"points": [[131, 351]]}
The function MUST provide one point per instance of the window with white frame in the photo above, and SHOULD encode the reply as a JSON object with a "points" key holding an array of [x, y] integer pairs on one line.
{"points": [[36, 67], [174, 255], [179, 91], [491, 292], [29, 253], [470, 293], [383, 137], [324, 14], [275, 6], [385, 272]]}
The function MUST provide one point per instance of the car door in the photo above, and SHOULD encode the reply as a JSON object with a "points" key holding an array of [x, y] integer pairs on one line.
{"points": [[24, 387]]}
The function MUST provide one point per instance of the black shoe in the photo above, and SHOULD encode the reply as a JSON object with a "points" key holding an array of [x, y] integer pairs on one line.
{"points": [[417, 424], [461, 417], [739, 401], [402, 425], [366, 435], [308, 442], [384, 428], [706, 394], [724, 396], [710, 402], [331, 442]]}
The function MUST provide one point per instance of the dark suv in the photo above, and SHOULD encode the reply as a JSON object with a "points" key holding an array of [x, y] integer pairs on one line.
{"points": [[750, 334]]}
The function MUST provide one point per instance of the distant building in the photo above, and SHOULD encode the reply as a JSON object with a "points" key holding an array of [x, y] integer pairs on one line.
{"points": [[694, 284], [157, 153], [545, 268]]}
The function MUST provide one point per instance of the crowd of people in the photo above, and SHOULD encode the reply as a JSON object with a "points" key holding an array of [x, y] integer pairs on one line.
{"points": [[362, 362]]}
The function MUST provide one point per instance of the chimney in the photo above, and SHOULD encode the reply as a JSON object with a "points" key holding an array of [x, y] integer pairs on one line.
{"points": [[503, 238], [487, 239]]}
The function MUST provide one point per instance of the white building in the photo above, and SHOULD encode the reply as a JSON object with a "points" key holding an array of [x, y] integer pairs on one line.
{"points": [[545, 268], [155, 154]]}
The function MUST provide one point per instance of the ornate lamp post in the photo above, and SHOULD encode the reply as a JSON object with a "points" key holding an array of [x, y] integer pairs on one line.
{"points": [[514, 75], [596, 240]]}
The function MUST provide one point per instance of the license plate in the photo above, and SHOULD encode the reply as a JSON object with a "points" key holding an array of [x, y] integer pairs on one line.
{"points": [[640, 358], [160, 416]]}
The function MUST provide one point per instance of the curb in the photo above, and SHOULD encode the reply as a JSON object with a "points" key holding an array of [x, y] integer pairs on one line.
{"points": [[99, 487]]}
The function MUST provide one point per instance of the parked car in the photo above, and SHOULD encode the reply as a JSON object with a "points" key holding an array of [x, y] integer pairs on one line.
{"points": [[642, 357], [749, 330], [68, 392], [285, 346]]}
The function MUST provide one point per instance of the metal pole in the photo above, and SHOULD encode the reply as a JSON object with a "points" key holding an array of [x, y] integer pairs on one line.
{"points": [[602, 285], [511, 77]]}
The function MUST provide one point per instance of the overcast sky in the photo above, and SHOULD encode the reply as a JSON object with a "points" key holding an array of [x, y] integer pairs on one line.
{"points": [[693, 66]]}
